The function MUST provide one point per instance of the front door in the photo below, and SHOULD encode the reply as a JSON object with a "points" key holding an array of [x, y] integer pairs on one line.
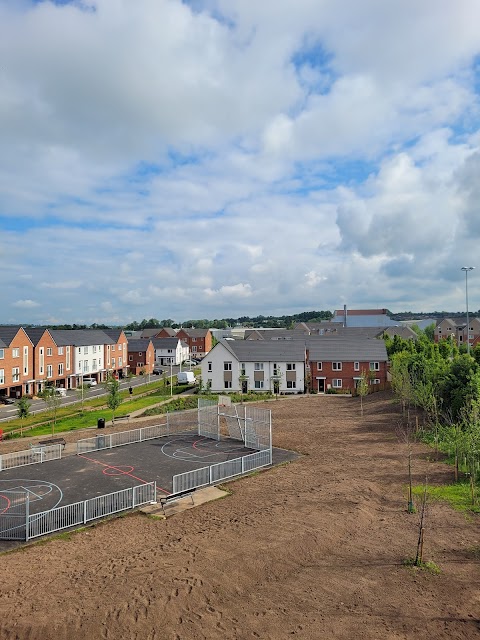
{"points": [[244, 386], [321, 385]]}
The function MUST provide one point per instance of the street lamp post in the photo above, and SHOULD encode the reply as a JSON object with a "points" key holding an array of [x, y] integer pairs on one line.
{"points": [[171, 376], [467, 269]]}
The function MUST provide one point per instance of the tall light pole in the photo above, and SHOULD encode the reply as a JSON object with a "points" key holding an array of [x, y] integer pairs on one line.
{"points": [[467, 269]]}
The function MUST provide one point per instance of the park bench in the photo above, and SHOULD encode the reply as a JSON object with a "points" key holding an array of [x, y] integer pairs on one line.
{"points": [[49, 441], [173, 497], [127, 417]]}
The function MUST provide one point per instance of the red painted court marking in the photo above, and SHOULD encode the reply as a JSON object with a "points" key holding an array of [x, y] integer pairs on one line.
{"points": [[194, 445], [8, 503], [120, 472]]}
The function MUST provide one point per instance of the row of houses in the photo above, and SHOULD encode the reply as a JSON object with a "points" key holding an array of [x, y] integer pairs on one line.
{"points": [[456, 329], [314, 364], [32, 357]]}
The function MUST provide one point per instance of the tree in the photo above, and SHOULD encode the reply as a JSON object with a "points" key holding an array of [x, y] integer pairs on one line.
{"points": [[23, 411], [114, 397], [80, 390], [52, 401], [362, 388]]}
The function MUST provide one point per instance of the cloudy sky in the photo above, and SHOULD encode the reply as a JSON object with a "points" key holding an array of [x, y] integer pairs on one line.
{"points": [[217, 158]]}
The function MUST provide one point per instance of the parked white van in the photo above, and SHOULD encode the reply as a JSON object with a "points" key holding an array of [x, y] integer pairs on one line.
{"points": [[89, 382], [60, 391], [186, 377]]}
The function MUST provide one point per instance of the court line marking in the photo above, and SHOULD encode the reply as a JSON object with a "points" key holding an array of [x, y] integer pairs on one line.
{"points": [[121, 471]]}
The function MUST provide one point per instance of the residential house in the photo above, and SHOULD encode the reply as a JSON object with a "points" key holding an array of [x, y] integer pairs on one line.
{"points": [[166, 332], [456, 329], [52, 360], [243, 365], [16, 363], [338, 363], [199, 341], [170, 351], [89, 347], [141, 356], [116, 354]]}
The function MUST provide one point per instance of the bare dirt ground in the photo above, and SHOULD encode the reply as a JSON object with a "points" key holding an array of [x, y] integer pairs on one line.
{"points": [[312, 549]]}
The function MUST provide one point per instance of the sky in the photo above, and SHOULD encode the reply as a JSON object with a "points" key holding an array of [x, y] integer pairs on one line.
{"points": [[222, 158]]}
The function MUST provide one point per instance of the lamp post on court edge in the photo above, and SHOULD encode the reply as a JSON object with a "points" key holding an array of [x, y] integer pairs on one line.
{"points": [[467, 269]]}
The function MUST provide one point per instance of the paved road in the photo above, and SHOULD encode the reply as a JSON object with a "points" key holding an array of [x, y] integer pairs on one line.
{"points": [[9, 412]]}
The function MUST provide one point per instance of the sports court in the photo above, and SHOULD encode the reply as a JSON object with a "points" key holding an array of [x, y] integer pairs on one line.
{"points": [[75, 478]]}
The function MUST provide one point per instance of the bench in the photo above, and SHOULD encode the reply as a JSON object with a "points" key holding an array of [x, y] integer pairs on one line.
{"points": [[46, 443], [127, 417], [173, 497]]}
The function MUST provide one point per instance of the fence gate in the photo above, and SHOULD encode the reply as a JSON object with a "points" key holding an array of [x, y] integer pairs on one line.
{"points": [[13, 515], [235, 419], [208, 419]]}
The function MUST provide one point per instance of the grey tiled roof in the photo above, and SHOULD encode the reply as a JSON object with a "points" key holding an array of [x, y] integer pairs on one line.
{"points": [[347, 349], [140, 344], [165, 343], [80, 337], [266, 350], [7, 334]]}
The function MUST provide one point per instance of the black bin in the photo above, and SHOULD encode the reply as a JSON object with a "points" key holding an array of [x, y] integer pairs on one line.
{"points": [[101, 423]]}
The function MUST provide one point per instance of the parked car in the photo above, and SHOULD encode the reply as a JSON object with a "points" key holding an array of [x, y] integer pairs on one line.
{"points": [[89, 382], [189, 363], [60, 391], [5, 400], [157, 370]]}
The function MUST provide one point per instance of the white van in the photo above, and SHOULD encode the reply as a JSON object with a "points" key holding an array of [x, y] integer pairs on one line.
{"points": [[89, 382], [186, 377], [60, 391]]}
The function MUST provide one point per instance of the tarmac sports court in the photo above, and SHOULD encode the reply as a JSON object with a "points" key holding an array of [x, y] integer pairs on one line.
{"points": [[81, 477]]}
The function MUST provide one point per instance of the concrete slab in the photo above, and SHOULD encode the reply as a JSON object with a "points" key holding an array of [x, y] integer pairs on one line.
{"points": [[198, 497]]}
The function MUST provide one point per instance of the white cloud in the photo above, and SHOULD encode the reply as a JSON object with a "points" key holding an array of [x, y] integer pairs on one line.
{"points": [[170, 163]]}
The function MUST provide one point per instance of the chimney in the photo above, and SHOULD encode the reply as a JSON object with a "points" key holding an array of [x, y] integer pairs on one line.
{"points": [[344, 315]]}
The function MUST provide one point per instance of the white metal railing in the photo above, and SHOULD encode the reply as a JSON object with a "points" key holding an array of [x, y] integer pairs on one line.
{"points": [[34, 455], [221, 471], [78, 513]]}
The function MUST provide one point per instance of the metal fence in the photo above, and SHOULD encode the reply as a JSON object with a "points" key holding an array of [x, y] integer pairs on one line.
{"points": [[78, 513], [176, 422], [13, 515], [34, 455], [221, 471]]}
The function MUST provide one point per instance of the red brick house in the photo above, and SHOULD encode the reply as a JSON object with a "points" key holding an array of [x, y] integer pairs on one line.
{"points": [[199, 341], [52, 361], [338, 363], [141, 356], [116, 355], [16, 363]]}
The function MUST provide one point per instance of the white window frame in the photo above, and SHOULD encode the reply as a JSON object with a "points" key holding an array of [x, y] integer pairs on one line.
{"points": [[16, 374], [227, 366], [227, 384], [258, 366], [259, 384], [291, 384], [209, 366], [2, 376], [49, 371], [290, 366], [2, 354], [16, 353], [337, 383], [60, 369], [319, 366], [49, 351], [336, 366], [356, 366], [374, 366]]}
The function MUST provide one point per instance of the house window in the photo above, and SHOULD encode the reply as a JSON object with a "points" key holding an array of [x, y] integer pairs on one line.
{"points": [[95, 348], [119, 361], [194, 339], [140, 353], [60, 369], [337, 366], [2, 376], [60, 351], [130, 358], [113, 362], [15, 353], [276, 369], [68, 358], [94, 364], [49, 371], [258, 366], [375, 381], [319, 366], [258, 384], [209, 366], [290, 366], [227, 366], [99, 363], [15, 374], [85, 350], [227, 384], [356, 366], [85, 366], [374, 366], [25, 361], [291, 384], [336, 383], [49, 351], [194, 349], [2, 354]]}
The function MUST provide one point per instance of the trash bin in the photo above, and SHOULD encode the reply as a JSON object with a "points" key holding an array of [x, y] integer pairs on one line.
{"points": [[101, 423]]}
